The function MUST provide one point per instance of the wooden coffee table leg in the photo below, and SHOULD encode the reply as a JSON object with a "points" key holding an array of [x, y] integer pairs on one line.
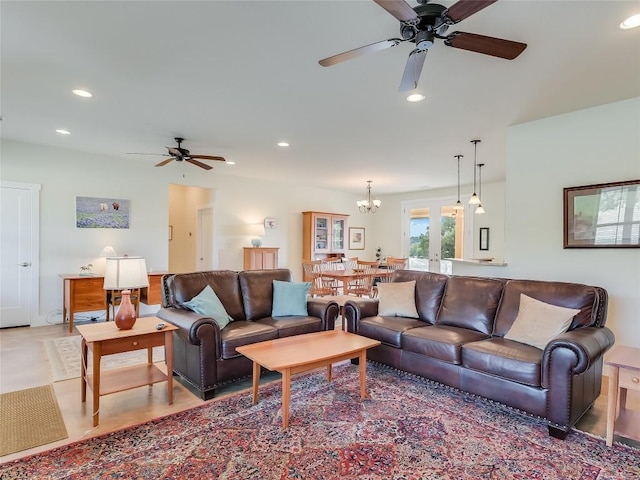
{"points": [[363, 374], [286, 396], [329, 373], [256, 382]]}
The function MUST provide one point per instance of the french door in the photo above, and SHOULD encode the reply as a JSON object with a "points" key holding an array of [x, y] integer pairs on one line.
{"points": [[434, 233]]}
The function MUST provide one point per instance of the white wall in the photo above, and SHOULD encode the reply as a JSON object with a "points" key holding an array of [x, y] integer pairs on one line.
{"points": [[595, 145], [65, 174]]}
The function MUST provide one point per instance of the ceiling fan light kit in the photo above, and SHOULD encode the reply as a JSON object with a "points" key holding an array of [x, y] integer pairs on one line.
{"points": [[425, 23]]}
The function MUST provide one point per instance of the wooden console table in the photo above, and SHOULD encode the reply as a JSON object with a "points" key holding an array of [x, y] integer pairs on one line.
{"points": [[86, 294]]}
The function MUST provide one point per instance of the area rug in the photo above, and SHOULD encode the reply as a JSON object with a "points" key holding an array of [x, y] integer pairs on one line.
{"points": [[29, 418], [409, 428], [65, 358]]}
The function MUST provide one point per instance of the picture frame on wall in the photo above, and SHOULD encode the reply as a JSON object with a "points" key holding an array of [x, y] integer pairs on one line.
{"points": [[603, 215], [484, 238], [102, 212], [356, 238], [270, 223]]}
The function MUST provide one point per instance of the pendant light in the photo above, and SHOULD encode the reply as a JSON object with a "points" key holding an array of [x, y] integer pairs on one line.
{"points": [[480, 210], [475, 199], [368, 205], [458, 206]]}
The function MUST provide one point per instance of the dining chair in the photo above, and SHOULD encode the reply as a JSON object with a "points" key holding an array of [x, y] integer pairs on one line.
{"points": [[362, 286], [350, 263], [313, 271], [393, 264]]}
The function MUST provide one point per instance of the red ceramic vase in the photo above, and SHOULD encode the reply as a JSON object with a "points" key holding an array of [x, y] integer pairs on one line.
{"points": [[126, 316]]}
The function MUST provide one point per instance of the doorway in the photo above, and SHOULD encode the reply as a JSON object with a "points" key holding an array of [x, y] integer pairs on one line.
{"points": [[435, 235], [191, 227], [19, 253]]}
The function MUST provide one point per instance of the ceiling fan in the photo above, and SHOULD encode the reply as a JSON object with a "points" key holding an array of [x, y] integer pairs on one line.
{"points": [[182, 154], [425, 23]]}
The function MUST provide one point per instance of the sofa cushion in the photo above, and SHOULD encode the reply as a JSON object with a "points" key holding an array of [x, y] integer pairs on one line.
{"points": [[568, 295], [244, 333], [185, 286], [429, 291], [289, 298], [470, 302], [257, 290], [387, 329], [441, 342], [538, 322], [208, 304], [397, 299], [505, 359], [289, 326]]}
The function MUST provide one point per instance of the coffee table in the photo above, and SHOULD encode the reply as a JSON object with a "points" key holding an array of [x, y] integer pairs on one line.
{"points": [[106, 339], [300, 353]]}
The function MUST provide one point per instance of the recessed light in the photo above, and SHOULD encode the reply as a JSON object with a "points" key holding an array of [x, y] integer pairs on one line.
{"points": [[415, 97], [62, 131], [631, 22], [82, 93], [283, 144], [230, 162]]}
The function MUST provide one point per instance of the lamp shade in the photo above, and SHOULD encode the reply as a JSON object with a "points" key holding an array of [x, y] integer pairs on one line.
{"points": [[125, 272], [108, 251]]}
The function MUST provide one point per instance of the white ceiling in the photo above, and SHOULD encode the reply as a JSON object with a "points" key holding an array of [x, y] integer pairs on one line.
{"points": [[236, 77]]}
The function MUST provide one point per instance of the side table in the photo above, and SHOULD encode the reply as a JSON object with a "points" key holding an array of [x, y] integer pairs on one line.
{"points": [[624, 374], [106, 339]]}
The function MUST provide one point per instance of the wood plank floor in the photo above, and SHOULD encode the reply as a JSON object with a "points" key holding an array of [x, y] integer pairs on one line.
{"points": [[23, 364]]}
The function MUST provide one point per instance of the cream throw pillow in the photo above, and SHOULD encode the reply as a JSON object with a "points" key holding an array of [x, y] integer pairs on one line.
{"points": [[397, 299], [538, 323]]}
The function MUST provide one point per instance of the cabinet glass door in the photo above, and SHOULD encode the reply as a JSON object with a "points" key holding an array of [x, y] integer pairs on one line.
{"points": [[338, 234], [321, 234]]}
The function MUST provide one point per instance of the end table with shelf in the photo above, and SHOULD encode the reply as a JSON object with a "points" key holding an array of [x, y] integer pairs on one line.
{"points": [[624, 374], [106, 339]]}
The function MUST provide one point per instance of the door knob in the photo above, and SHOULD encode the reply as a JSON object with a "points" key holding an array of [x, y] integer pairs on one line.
{"points": [[24, 264]]}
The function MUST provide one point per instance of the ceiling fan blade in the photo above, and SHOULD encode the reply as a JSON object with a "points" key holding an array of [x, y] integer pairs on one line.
{"points": [[399, 9], [199, 164], [164, 162], [139, 153], [412, 70], [463, 9], [496, 47], [356, 52], [209, 157]]}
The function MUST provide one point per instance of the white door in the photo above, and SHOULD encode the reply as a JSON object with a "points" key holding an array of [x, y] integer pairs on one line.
{"points": [[205, 239], [433, 235], [19, 212]]}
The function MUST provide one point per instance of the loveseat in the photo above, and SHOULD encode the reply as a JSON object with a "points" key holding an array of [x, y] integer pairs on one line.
{"points": [[205, 355], [458, 340]]}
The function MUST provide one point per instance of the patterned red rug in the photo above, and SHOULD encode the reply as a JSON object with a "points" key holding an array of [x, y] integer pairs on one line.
{"points": [[409, 429]]}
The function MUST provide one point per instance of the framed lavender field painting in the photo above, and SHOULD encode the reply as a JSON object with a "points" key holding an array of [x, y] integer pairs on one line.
{"points": [[605, 215], [97, 212]]}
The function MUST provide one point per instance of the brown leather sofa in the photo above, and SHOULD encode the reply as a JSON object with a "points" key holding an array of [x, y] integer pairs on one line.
{"points": [[205, 357], [458, 341]]}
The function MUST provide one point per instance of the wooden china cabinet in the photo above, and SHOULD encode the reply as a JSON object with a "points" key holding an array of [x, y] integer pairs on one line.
{"points": [[323, 235]]}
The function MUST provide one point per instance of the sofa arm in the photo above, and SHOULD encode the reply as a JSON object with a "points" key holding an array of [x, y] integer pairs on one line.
{"points": [[326, 311], [355, 310], [586, 345], [190, 325]]}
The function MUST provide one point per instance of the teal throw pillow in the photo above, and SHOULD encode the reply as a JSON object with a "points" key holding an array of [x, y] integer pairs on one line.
{"points": [[290, 298], [208, 304]]}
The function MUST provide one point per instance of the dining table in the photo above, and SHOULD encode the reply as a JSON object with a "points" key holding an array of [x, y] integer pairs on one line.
{"points": [[349, 275]]}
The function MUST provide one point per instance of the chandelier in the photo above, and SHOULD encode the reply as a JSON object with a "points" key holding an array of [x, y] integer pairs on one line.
{"points": [[367, 205]]}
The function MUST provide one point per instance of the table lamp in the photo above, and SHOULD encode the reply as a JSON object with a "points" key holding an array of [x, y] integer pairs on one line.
{"points": [[125, 273]]}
